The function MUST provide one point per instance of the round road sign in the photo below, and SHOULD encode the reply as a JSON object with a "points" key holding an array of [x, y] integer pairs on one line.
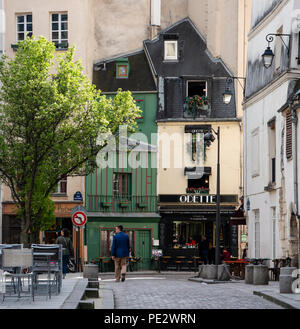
{"points": [[79, 218]]}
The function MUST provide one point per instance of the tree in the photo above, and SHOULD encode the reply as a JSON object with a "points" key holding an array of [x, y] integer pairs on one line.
{"points": [[50, 117]]}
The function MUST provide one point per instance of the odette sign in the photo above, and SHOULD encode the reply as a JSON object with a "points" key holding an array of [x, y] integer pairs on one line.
{"points": [[197, 199]]}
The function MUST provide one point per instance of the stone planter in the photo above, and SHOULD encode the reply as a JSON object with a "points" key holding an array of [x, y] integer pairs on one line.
{"points": [[223, 273], [249, 274], [211, 272], [286, 280], [90, 271], [260, 275]]}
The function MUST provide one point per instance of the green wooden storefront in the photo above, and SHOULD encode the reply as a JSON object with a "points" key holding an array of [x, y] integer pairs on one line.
{"points": [[125, 195]]}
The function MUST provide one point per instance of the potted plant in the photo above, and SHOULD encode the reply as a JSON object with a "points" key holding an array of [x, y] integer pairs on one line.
{"points": [[193, 104]]}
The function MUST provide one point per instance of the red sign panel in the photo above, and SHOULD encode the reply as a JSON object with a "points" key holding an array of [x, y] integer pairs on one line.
{"points": [[79, 218]]}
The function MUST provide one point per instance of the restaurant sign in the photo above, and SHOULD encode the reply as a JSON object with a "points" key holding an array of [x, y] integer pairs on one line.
{"points": [[196, 198]]}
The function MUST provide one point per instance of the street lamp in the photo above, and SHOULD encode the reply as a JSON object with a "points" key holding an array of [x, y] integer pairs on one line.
{"points": [[208, 139], [227, 95], [268, 55]]}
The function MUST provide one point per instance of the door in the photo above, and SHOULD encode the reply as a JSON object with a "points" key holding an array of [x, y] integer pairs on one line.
{"points": [[143, 248]]}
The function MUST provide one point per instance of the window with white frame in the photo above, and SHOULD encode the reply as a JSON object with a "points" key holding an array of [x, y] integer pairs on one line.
{"points": [[24, 26], [256, 234], [171, 50], [255, 153], [59, 29]]}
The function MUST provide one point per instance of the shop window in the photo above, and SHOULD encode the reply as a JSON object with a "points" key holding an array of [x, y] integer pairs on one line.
{"points": [[122, 183], [24, 26], [200, 185], [106, 240]]}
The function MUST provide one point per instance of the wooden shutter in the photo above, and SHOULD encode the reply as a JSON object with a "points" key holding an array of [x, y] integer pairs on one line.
{"points": [[289, 135]]}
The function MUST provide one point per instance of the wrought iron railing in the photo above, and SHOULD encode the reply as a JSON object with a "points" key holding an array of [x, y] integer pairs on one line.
{"points": [[121, 203]]}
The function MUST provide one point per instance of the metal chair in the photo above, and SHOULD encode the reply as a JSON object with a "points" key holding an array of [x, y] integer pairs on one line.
{"points": [[17, 259], [47, 259]]}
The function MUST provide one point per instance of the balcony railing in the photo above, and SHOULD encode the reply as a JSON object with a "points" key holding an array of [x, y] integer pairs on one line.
{"points": [[121, 203]]}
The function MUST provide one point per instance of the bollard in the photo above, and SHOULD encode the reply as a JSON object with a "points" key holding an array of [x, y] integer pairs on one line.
{"points": [[249, 274], [200, 271], [260, 275], [90, 271], [286, 280], [204, 272], [212, 272], [223, 272]]}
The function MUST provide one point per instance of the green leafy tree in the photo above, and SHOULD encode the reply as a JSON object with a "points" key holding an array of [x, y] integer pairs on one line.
{"points": [[50, 117]]}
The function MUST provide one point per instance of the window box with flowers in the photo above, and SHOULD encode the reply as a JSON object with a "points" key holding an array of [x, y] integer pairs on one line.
{"points": [[197, 190], [195, 104]]}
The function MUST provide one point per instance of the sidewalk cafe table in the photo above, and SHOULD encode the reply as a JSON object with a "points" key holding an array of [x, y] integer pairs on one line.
{"points": [[48, 257], [237, 267]]}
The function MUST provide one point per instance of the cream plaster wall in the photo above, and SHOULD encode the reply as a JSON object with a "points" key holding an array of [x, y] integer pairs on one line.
{"points": [[229, 160]]}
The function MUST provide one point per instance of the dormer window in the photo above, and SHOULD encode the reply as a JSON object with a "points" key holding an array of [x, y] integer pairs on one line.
{"points": [[171, 50], [196, 88]]}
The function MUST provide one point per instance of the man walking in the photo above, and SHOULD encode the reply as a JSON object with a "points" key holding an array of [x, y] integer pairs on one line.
{"points": [[120, 252]]}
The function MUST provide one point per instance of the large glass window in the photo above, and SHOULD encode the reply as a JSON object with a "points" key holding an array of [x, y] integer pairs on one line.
{"points": [[24, 26], [59, 29]]}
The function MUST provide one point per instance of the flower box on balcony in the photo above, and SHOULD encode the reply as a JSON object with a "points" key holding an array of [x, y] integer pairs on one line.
{"points": [[197, 190], [195, 104], [105, 204], [142, 204], [125, 204]]}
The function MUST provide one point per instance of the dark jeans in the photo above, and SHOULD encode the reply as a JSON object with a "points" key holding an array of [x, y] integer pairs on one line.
{"points": [[205, 256], [65, 260]]}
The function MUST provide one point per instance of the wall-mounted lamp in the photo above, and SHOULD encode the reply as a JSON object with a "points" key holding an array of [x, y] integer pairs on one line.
{"points": [[268, 55], [227, 95]]}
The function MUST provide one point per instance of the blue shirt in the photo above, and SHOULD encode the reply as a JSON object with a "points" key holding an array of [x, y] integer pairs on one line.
{"points": [[120, 246]]}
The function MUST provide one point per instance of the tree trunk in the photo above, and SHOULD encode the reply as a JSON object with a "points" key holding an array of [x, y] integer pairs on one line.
{"points": [[24, 235]]}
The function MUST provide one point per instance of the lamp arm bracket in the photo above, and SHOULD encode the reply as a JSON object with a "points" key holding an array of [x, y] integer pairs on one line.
{"points": [[270, 38]]}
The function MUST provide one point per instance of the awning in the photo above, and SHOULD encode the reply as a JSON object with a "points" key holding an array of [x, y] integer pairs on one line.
{"points": [[237, 220]]}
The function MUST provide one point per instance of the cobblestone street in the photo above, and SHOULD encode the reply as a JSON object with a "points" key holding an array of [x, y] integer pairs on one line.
{"points": [[176, 292]]}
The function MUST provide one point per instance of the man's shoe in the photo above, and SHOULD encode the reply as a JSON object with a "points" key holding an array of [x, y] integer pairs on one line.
{"points": [[118, 280], [123, 277]]}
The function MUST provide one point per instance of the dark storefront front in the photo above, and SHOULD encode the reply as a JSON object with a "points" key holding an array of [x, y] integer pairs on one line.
{"points": [[185, 216]]}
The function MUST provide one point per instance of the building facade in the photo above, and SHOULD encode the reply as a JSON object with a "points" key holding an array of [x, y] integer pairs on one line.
{"points": [[125, 191], [270, 180], [187, 73]]}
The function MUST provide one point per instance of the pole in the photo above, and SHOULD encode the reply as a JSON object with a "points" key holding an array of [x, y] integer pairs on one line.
{"points": [[77, 249], [217, 235]]}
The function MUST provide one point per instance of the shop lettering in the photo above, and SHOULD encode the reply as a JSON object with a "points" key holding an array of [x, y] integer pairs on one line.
{"points": [[197, 198]]}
